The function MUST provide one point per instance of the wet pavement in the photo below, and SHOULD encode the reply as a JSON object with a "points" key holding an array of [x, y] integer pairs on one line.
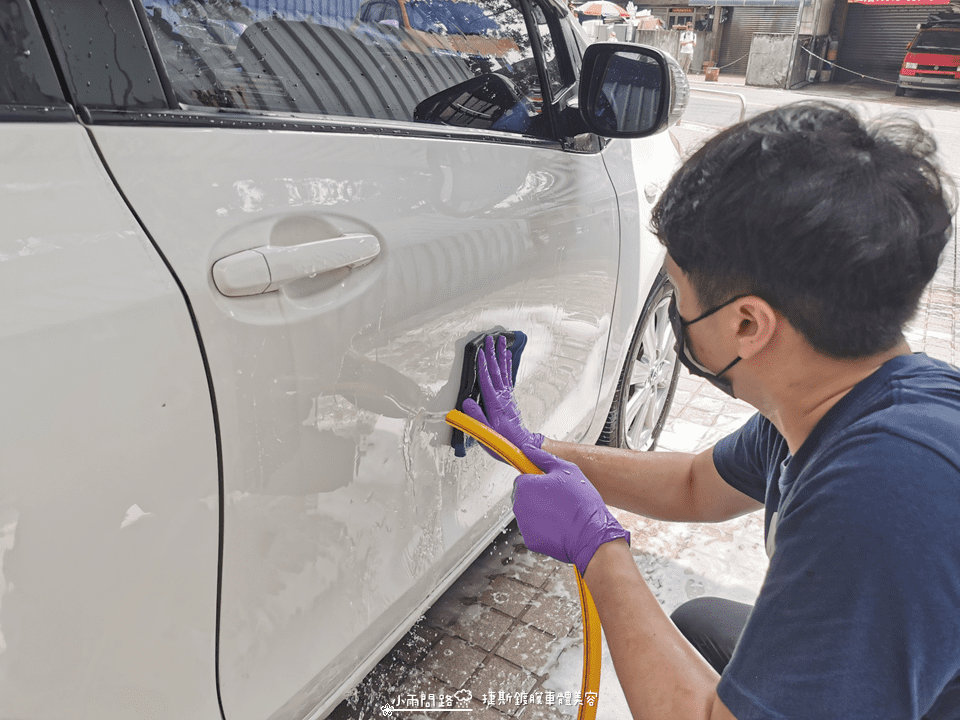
{"points": [[505, 640]]}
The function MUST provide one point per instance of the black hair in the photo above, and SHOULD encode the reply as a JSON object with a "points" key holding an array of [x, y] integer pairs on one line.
{"points": [[837, 223]]}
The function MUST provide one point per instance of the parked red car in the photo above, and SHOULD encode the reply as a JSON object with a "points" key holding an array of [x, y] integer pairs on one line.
{"points": [[932, 61]]}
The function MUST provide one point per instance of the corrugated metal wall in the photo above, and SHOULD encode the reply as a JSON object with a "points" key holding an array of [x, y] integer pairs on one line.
{"points": [[327, 12], [875, 38], [744, 23]]}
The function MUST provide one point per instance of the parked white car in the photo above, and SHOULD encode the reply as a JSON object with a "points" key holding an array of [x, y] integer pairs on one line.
{"points": [[242, 248]]}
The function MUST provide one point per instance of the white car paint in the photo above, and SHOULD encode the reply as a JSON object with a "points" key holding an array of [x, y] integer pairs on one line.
{"points": [[108, 469], [340, 506], [345, 508], [639, 170]]}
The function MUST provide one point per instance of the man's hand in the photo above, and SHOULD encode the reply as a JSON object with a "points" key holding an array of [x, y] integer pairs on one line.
{"points": [[494, 364], [560, 513]]}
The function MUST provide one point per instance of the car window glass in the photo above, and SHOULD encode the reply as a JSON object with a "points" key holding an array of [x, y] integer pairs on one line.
{"points": [[937, 41], [27, 76], [455, 62], [576, 43], [554, 75]]}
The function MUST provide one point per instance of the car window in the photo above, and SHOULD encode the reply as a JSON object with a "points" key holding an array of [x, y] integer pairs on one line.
{"points": [[937, 41], [466, 63], [576, 41], [27, 76], [554, 75]]}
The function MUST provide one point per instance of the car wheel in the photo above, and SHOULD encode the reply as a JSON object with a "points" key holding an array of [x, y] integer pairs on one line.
{"points": [[649, 378], [900, 91]]}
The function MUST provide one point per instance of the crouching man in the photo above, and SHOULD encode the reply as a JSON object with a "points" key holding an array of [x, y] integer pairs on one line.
{"points": [[799, 243]]}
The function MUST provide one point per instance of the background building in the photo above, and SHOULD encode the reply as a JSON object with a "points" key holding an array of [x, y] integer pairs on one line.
{"points": [[874, 34]]}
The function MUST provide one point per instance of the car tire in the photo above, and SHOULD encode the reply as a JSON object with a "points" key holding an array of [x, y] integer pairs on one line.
{"points": [[900, 91], [648, 381]]}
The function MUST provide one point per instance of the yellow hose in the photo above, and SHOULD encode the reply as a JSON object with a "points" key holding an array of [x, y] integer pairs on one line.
{"points": [[590, 685]]}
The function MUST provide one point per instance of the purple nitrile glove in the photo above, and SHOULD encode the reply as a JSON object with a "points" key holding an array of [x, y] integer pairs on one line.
{"points": [[561, 514], [494, 364]]}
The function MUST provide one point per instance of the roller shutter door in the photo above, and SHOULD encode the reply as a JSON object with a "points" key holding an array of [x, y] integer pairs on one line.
{"points": [[744, 23], [875, 38]]}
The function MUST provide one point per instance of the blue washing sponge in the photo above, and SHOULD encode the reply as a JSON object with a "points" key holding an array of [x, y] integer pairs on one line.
{"points": [[470, 384]]}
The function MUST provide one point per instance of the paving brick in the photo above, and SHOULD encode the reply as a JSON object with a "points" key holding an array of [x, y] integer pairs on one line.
{"points": [[418, 687], [453, 661], [508, 595], [342, 712], [529, 648], [547, 712], [531, 568], [366, 703], [563, 584], [479, 711], [415, 644], [417, 680], [497, 675], [553, 614], [707, 404], [481, 626], [700, 417]]}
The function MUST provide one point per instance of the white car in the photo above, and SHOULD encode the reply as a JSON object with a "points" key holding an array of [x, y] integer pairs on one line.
{"points": [[242, 248]]}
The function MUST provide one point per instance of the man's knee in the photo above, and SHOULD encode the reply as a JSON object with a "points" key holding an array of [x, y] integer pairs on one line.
{"points": [[713, 626]]}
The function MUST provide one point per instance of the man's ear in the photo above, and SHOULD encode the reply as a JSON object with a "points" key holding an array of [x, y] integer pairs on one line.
{"points": [[757, 325]]}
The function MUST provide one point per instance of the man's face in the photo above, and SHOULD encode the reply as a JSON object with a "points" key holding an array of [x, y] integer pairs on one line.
{"points": [[687, 302], [688, 305]]}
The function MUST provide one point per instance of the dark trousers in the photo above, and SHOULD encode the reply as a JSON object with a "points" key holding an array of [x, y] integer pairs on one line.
{"points": [[713, 626]]}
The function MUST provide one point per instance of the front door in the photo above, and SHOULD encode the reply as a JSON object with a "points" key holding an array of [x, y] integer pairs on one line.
{"points": [[339, 246]]}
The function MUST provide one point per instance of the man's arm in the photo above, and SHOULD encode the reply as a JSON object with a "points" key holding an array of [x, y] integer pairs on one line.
{"points": [[663, 677], [678, 487]]}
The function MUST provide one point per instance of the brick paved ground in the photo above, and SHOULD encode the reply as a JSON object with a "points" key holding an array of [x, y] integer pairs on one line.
{"points": [[511, 624]]}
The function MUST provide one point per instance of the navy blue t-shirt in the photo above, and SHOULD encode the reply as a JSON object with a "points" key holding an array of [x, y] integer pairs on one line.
{"points": [[859, 613]]}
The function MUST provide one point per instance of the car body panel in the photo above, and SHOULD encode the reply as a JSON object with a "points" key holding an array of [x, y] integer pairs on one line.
{"points": [[152, 416], [109, 495], [345, 508], [639, 170], [932, 70]]}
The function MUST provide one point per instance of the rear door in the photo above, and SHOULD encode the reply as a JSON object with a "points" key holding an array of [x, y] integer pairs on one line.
{"points": [[339, 246], [108, 465]]}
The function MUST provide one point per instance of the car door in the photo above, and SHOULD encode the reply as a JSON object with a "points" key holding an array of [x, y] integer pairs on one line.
{"points": [[108, 468], [342, 224]]}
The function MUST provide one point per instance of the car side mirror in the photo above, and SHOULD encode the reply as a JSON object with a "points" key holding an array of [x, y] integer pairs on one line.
{"points": [[630, 91]]}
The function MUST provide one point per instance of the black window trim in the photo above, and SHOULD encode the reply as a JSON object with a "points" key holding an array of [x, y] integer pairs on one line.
{"points": [[567, 73], [10, 113], [72, 75], [588, 143], [264, 120], [59, 110]]}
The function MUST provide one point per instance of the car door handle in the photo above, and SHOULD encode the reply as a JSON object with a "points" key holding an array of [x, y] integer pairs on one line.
{"points": [[651, 191], [265, 269]]}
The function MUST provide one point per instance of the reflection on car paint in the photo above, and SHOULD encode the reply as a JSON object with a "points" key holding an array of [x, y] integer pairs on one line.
{"points": [[8, 537], [360, 497], [108, 379]]}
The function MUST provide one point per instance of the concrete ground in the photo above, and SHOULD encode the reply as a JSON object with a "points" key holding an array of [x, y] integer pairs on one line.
{"points": [[505, 640]]}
